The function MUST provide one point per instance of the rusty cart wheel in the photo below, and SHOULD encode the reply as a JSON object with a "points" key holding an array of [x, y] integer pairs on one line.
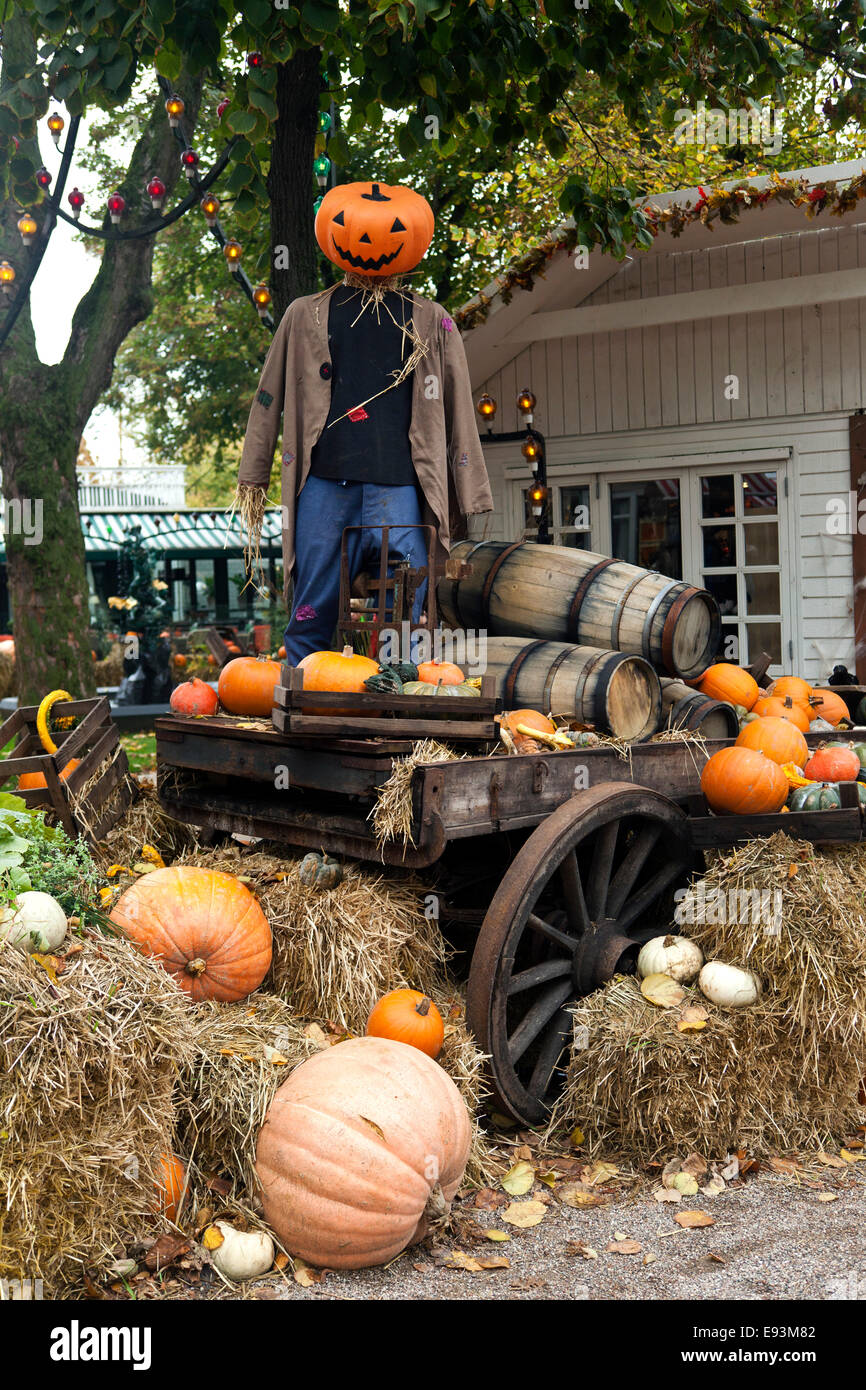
{"points": [[579, 900]]}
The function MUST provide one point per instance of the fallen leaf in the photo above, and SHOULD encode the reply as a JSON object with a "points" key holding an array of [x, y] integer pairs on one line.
{"points": [[667, 1194], [549, 1178], [828, 1196], [52, 965], [577, 1194], [305, 1275], [523, 1151], [731, 1169], [695, 1165], [281, 1261], [524, 1214], [620, 1235], [784, 1165], [793, 869], [165, 1251], [213, 1238], [692, 1019], [715, 1259], [649, 1258], [624, 1247], [830, 1160], [519, 1179], [493, 1234], [693, 1219], [662, 990], [316, 1035], [577, 1247], [458, 1260], [850, 1157], [488, 1200], [502, 1121], [714, 1186], [600, 1172], [576, 1138], [277, 1059]]}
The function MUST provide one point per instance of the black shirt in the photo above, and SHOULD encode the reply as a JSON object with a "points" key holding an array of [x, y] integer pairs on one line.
{"points": [[364, 354]]}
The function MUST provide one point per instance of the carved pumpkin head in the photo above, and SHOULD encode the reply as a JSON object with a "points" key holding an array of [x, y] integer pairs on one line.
{"points": [[374, 229]]}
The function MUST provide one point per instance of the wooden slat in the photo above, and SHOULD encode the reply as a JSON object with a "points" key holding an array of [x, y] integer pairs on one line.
{"points": [[480, 730]]}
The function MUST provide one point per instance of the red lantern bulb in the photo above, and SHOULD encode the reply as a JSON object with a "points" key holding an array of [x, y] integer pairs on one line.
{"points": [[223, 106], [255, 60], [156, 190], [76, 201], [43, 178], [116, 207]]}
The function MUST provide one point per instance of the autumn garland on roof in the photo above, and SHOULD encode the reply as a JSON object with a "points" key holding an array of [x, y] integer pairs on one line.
{"points": [[724, 204]]}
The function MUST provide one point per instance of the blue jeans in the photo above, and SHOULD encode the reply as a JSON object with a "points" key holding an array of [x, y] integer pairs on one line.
{"points": [[325, 507]]}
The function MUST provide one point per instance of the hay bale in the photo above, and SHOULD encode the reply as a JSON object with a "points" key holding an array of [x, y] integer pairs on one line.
{"points": [[336, 952], [392, 814], [781, 1075], [8, 678], [109, 671], [87, 1068], [145, 823]]}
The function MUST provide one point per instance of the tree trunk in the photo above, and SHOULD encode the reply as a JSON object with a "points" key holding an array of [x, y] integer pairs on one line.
{"points": [[44, 409], [290, 180]]}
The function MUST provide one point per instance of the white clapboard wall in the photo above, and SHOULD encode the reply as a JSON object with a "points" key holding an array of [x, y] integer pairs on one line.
{"points": [[626, 399]]}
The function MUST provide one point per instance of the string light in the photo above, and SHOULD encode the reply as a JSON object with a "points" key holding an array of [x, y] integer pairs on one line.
{"points": [[189, 162], [530, 448], [233, 252], [261, 299], [75, 199], [175, 108], [255, 60], [7, 277], [116, 207], [43, 178], [526, 404], [321, 169], [28, 228], [486, 407], [156, 189], [324, 122], [537, 499], [55, 125], [210, 206]]}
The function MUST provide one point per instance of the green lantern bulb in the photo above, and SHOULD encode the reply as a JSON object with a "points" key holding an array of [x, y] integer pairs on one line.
{"points": [[324, 121], [321, 165]]}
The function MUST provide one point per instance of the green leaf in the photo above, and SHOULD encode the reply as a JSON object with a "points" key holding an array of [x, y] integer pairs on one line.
{"points": [[427, 83], [10, 802], [241, 122], [263, 101], [322, 15], [257, 13], [169, 62]]}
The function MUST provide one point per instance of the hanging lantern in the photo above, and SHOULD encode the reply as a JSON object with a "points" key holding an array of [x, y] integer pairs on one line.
{"points": [[537, 499], [223, 106], [261, 299], [526, 404], [233, 252], [486, 407], [531, 449], [255, 60], [75, 199], [7, 277], [321, 169], [175, 108], [210, 206], [189, 162], [55, 125], [156, 189], [28, 228], [43, 178], [116, 207], [324, 122]]}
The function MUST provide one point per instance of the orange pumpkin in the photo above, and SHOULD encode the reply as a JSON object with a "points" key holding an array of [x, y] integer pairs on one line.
{"points": [[793, 686], [30, 781], [233, 648], [355, 1143], [779, 739], [407, 1016], [833, 763], [246, 686], [730, 683], [440, 673], [179, 660], [741, 781], [194, 698], [281, 653], [205, 927], [374, 229], [337, 671], [776, 707], [826, 704], [169, 1185]]}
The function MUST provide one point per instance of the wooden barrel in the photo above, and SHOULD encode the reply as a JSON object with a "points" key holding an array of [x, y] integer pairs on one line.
{"points": [[684, 708], [617, 692], [527, 590]]}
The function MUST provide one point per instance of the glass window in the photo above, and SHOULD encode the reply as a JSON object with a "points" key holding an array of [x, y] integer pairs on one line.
{"points": [[759, 492], [717, 495], [645, 524], [762, 543], [720, 546]]}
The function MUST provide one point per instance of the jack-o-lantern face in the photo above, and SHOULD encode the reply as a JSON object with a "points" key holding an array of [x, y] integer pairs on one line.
{"points": [[374, 229]]}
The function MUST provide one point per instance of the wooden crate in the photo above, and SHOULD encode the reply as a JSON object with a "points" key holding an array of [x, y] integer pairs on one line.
{"points": [[95, 742], [836, 825], [371, 715]]}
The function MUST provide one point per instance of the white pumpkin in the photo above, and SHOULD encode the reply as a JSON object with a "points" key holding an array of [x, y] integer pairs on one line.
{"points": [[34, 921], [670, 955], [728, 985], [242, 1254]]}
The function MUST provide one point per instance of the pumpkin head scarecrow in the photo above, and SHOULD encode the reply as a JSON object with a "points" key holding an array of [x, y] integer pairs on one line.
{"points": [[378, 419]]}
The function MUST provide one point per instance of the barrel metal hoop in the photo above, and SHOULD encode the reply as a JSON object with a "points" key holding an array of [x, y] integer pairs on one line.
{"points": [[580, 594], [670, 625], [651, 612], [605, 671], [455, 592], [491, 575], [617, 613], [548, 684], [514, 668]]}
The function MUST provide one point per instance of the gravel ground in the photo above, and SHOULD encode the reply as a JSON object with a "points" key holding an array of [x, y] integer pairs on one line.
{"points": [[772, 1239]]}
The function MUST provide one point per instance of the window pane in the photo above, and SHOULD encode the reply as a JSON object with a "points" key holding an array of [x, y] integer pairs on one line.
{"points": [[717, 495], [759, 492], [761, 541], [762, 593], [574, 505], [723, 587], [764, 637], [578, 540], [645, 524], [720, 546]]}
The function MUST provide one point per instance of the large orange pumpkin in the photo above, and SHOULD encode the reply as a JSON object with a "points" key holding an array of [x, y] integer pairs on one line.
{"points": [[205, 927], [834, 763], [776, 707], [246, 686], [741, 781], [374, 229], [730, 683], [194, 698], [407, 1016], [337, 671], [826, 704], [793, 686], [779, 739], [440, 673], [359, 1143], [29, 781]]}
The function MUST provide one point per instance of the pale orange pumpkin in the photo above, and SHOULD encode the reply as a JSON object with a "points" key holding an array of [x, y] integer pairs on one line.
{"points": [[778, 738], [374, 229], [793, 686], [407, 1016], [246, 686], [730, 683], [205, 927], [359, 1143], [440, 673], [169, 1185], [826, 704], [194, 698], [343, 670], [30, 781], [741, 781]]}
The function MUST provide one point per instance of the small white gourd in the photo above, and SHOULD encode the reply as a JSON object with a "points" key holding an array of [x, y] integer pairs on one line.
{"points": [[242, 1254], [670, 955], [33, 922], [728, 985]]}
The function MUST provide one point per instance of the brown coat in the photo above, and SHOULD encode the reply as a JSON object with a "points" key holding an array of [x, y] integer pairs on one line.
{"points": [[443, 435]]}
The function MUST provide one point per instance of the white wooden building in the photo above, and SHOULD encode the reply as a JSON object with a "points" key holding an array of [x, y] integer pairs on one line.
{"points": [[700, 403]]}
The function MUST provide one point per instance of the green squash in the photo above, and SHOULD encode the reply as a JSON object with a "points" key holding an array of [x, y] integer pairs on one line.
{"points": [[860, 712], [860, 750], [426, 688], [818, 796], [386, 681], [318, 871], [405, 670]]}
